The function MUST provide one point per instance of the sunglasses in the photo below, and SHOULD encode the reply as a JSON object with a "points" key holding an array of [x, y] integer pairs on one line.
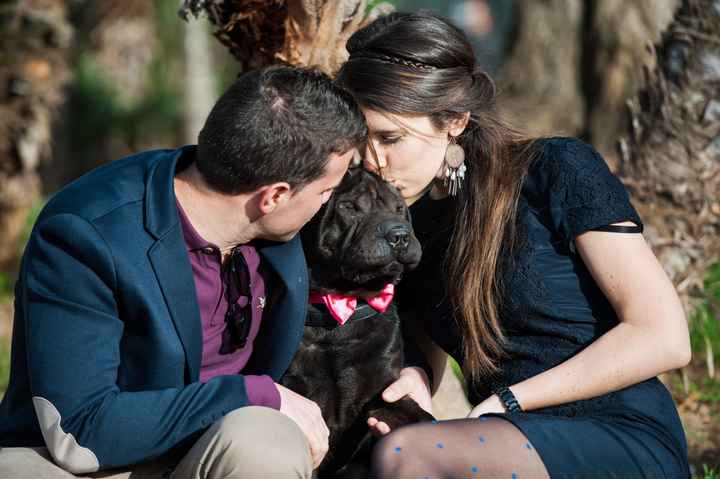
{"points": [[239, 313]]}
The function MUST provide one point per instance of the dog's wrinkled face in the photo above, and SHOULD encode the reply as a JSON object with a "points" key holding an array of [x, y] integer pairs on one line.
{"points": [[362, 239]]}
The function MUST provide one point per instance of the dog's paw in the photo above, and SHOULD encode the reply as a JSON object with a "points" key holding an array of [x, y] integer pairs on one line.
{"points": [[399, 413]]}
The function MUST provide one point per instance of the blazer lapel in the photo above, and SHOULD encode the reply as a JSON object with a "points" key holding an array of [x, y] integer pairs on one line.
{"points": [[282, 328], [169, 258], [174, 274]]}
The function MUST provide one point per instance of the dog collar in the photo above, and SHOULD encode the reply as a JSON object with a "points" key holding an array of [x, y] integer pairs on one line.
{"points": [[342, 307], [319, 316]]}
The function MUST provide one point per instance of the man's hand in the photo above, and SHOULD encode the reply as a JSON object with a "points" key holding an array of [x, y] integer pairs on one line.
{"points": [[413, 382], [307, 415]]}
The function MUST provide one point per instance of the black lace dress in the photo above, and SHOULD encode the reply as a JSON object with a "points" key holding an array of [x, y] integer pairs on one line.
{"points": [[554, 309]]}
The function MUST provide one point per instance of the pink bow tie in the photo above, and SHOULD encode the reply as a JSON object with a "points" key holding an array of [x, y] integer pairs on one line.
{"points": [[343, 307]]}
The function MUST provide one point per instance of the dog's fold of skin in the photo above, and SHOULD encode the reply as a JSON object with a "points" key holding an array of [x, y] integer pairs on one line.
{"points": [[360, 241]]}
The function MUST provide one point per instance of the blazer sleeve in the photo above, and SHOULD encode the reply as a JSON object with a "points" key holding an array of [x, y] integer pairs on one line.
{"points": [[74, 332]]}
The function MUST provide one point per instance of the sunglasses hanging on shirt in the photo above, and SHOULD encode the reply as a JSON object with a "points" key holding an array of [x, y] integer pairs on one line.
{"points": [[238, 293]]}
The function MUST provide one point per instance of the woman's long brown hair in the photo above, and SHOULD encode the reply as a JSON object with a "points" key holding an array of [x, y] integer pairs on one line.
{"points": [[420, 64]]}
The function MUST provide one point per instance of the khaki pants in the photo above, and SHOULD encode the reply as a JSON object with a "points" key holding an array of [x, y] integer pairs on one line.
{"points": [[248, 443]]}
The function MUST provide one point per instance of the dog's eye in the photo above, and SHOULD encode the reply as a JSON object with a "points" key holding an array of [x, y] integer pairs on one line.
{"points": [[401, 209], [347, 206]]}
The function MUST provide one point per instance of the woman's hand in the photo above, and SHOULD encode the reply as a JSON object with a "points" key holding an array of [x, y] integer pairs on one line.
{"points": [[491, 404], [414, 383]]}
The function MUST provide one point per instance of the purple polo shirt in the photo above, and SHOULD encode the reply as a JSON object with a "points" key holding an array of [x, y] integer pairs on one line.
{"points": [[210, 286]]}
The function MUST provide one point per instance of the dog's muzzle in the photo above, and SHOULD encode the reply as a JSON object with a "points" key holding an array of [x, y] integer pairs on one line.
{"points": [[397, 234]]}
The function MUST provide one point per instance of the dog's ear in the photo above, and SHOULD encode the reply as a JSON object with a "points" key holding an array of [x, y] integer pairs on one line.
{"points": [[354, 170], [310, 235], [354, 174]]}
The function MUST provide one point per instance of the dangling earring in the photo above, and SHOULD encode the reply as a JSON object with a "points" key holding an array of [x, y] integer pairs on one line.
{"points": [[454, 167]]}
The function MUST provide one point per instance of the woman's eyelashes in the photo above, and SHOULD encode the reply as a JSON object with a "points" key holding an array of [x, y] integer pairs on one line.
{"points": [[388, 140]]}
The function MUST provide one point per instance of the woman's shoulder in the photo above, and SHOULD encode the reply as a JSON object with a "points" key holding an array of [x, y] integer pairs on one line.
{"points": [[559, 156], [560, 163], [569, 179]]}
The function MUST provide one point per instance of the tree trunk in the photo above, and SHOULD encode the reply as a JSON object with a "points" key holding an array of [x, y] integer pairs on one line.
{"points": [[540, 83], [670, 158], [35, 37], [199, 85], [618, 47], [576, 63]]}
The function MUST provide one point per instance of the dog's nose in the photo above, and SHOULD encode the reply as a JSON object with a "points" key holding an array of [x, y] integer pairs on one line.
{"points": [[397, 234]]}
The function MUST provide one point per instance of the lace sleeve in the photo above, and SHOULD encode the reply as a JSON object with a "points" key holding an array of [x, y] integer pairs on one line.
{"points": [[583, 193]]}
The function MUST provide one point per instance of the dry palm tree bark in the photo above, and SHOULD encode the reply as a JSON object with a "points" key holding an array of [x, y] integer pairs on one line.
{"points": [[35, 38], [297, 32], [670, 159], [573, 63]]}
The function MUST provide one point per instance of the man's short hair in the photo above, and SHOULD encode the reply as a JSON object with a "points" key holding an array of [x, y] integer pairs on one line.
{"points": [[277, 124]]}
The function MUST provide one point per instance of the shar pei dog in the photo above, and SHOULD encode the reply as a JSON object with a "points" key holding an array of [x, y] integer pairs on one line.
{"points": [[357, 247]]}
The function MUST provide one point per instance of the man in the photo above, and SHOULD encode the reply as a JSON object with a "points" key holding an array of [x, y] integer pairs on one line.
{"points": [[161, 296]]}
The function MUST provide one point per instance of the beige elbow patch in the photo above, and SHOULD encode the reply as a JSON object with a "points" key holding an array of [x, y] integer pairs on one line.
{"points": [[62, 446]]}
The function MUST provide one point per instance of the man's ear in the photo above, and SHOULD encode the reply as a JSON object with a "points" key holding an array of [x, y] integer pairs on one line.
{"points": [[270, 197], [457, 125]]}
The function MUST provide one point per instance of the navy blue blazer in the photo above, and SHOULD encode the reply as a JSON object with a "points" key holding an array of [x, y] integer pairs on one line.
{"points": [[107, 338]]}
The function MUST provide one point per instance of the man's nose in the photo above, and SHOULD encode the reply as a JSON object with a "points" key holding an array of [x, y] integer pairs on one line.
{"points": [[397, 234]]}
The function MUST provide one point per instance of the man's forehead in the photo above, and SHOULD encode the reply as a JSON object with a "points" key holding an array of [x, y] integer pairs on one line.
{"points": [[336, 167]]}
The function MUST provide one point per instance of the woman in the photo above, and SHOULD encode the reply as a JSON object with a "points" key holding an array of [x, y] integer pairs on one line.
{"points": [[535, 277]]}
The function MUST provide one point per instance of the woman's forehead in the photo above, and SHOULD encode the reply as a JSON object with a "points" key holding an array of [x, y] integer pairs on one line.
{"points": [[380, 121]]}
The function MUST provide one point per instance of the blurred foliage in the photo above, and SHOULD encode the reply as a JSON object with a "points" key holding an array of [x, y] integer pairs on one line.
{"points": [[705, 325], [97, 114], [709, 473], [705, 389], [374, 3], [96, 121], [456, 369], [4, 366], [7, 283]]}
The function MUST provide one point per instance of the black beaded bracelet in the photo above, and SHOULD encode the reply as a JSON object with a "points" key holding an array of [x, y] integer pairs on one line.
{"points": [[508, 399]]}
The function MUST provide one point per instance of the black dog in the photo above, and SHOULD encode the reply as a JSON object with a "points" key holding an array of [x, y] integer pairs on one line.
{"points": [[360, 242]]}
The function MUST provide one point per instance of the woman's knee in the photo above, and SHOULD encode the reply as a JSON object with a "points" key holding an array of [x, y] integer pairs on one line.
{"points": [[394, 454]]}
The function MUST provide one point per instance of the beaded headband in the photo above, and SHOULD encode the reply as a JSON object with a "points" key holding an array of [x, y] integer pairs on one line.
{"points": [[392, 59]]}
